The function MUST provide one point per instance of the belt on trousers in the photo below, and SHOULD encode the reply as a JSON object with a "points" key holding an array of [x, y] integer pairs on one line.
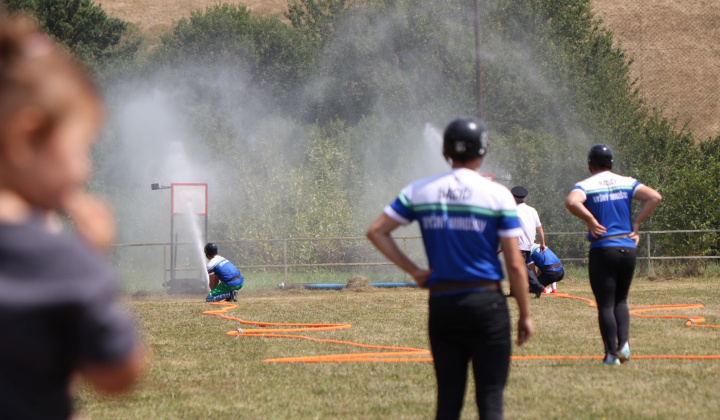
{"points": [[624, 235], [547, 267], [234, 278], [458, 286]]}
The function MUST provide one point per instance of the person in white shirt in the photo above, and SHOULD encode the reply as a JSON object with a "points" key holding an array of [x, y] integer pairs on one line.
{"points": [[529, 222], [531, 226]]}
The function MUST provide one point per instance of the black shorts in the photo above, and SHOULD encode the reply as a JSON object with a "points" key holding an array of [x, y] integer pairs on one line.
{"points": [[547, 278]]}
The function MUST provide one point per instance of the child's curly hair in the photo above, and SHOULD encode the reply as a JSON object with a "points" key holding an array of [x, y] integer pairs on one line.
{"points": [[35, 71]]}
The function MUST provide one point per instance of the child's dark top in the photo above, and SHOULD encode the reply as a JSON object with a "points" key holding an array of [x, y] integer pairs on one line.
{"points": [[56, 312]]}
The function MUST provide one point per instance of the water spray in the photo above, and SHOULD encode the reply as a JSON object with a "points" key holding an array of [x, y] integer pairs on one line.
{"points": [[194, 223], [190, 202]]}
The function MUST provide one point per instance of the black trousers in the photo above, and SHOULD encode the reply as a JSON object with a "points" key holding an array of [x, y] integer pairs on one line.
{"points": [[535, 285], [546, 278], [611, 272], [472, 326]]}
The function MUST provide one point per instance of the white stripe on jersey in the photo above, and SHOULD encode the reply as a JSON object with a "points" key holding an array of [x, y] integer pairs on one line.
{"points": [[459, 191], [606, 182]]}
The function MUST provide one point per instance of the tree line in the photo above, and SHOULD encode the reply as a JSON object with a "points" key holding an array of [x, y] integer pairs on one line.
{"points": [[356, 83]]}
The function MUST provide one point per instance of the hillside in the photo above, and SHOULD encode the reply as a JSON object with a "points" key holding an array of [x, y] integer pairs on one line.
{"points": [[155, 16], [675, 46]]}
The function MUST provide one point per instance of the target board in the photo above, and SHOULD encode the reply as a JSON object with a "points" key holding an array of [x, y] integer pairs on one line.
{"points": [[189, 199]]}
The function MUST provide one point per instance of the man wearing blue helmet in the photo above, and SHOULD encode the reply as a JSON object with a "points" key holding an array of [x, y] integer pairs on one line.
{"points": [[603, 202], [463, 218], [225, 279]]}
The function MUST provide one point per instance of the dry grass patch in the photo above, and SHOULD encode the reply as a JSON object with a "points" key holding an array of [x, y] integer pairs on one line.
{"points": [[675, 48], [157, 16]]}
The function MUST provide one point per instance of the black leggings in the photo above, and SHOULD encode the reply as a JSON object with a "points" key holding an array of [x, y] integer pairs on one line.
{"points": [[470, 326], [611, 272]]}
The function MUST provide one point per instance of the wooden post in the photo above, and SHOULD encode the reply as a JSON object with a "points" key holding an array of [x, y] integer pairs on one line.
{"points": [[648, 254], [404, 252], [285, 258]]}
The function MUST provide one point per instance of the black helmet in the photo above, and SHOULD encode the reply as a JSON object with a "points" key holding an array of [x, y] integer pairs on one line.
{"points": [[211, 249], [600, 155], [465, 138]]}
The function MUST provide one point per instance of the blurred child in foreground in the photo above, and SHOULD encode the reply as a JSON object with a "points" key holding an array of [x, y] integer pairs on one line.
{"points": [[57, 315]]}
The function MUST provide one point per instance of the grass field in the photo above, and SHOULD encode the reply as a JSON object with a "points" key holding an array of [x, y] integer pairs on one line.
{"points": [[198, 372]]}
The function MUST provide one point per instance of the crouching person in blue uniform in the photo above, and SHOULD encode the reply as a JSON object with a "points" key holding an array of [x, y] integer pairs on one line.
{"points": [[225, 278], [546, 266]]}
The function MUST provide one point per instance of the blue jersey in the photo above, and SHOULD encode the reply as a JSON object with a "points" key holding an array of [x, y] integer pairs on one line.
{"points": [[225, 271], [545, 259], [608, 197], [462, 215]]}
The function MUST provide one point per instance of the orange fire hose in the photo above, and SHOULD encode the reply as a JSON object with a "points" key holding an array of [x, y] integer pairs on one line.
{"points": [[409, 354]]}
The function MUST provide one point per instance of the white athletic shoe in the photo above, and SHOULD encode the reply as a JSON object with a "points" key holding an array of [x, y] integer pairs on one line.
{"points": [[624, 353]]}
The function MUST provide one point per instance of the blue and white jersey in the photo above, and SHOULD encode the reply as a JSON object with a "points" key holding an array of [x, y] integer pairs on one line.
{"points": [[544, 259], [225, 271], [461, 216], [608, 197]]}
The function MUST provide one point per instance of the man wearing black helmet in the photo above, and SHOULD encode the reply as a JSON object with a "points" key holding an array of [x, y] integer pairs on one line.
{"points": [[603, 202], [225, 279], [463, 218]]}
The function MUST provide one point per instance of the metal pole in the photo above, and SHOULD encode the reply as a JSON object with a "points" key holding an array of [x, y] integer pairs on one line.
{"points": [[175, 256], [164, 248], [172, 247], [478, 67], [206, 229], [648, 254], [285, 258]]}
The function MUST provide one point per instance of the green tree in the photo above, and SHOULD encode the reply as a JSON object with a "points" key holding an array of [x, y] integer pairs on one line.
{"points": [[274, 56], [315, 19], [352, 86], [83, 27]]}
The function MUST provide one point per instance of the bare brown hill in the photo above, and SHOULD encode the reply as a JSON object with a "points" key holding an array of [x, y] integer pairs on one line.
{"points": [[675, 46], [155, 16]]}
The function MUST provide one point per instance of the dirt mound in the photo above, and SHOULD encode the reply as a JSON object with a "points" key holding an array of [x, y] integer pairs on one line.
{"points": [[359, 284]]}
